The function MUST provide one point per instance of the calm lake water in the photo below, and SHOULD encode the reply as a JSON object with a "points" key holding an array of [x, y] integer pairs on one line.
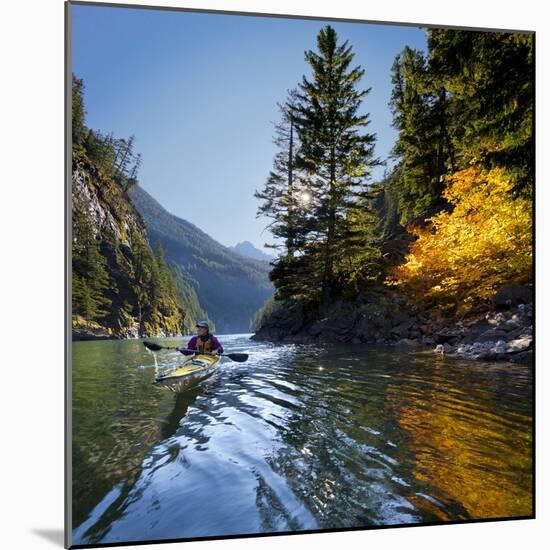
{"points": [[299, 437]]}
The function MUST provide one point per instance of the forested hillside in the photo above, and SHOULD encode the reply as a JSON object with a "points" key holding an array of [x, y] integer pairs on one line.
{"points": [[230, 287], [121, 286]]}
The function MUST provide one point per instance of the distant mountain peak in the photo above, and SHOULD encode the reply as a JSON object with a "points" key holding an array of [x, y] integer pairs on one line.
{"points": [[248, 250]]}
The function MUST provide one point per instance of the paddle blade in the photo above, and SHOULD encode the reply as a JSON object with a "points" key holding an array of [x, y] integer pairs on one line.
{"points": [[152, 346], [238, 357]]}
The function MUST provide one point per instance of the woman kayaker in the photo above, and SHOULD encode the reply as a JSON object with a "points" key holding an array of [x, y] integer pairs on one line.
{"points": [[204, 341]]}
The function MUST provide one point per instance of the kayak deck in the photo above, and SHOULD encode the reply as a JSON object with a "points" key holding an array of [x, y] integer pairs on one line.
{"points": [[193, 371]]}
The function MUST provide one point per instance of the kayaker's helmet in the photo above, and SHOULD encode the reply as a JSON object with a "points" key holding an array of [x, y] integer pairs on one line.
{"points": [[203, 324]]}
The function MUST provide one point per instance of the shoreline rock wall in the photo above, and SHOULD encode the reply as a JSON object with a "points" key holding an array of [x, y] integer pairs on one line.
{"points": [[504, 333]]}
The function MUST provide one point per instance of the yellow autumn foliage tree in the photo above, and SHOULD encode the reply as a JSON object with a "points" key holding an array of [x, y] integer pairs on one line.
{"points": [[462, 257]]}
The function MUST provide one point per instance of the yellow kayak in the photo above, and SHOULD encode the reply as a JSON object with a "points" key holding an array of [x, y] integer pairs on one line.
{"points": [[194, 370]]}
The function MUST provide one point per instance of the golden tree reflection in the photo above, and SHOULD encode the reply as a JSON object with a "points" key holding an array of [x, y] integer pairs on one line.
{"points": [[477, 457]]}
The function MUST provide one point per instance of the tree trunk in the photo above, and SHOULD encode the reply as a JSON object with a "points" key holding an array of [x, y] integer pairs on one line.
{"points": [[290, 238], [329, 261]]}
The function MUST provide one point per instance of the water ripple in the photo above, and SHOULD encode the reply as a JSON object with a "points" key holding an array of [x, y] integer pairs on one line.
{"points": [[299, 437]]}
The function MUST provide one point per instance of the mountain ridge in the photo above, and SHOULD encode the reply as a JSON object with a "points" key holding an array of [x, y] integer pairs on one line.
{"points": [[248, 250], [230, 287]]}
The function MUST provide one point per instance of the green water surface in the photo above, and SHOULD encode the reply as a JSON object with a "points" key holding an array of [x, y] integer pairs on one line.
{"points": [[299, 437]]}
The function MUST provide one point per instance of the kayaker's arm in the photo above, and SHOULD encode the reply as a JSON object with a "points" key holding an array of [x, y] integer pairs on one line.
{"points": [[192, 344], [216, 346]]}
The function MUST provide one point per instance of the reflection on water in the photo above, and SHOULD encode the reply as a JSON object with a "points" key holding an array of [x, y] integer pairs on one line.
{"points": [[299, 437], [487, 468]]}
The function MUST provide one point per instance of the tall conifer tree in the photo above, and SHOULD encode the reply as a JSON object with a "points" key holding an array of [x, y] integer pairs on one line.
{"points": [[423, 146], [335, 151], [490, 76]]}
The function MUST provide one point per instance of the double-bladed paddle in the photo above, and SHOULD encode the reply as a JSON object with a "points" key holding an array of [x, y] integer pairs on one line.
{"points": [[238, 357]]}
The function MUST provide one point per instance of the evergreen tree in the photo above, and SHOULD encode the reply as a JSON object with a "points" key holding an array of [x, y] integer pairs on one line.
{"points": [[490, 76], [359, 259], [163, 284], [124, 157], [285, 199], [143, 260], [389, 208], [91, 280], [278, 195], [78, 112], [100, 151], [335, 153], [420, 112], [132, 177]]}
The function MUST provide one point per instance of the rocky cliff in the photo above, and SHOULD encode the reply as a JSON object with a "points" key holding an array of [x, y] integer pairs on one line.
{"points": [[138, 290]]}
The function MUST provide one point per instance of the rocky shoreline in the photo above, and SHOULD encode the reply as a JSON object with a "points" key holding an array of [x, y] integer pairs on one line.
{"points": [[498, 336], [503, 334], [100, 333]]}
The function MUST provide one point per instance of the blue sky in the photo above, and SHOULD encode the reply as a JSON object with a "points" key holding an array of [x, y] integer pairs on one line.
{"points": [[200, 92]]}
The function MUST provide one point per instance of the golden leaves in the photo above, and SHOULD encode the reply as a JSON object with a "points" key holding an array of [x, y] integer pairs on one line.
{"points": [[461, 257]]}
